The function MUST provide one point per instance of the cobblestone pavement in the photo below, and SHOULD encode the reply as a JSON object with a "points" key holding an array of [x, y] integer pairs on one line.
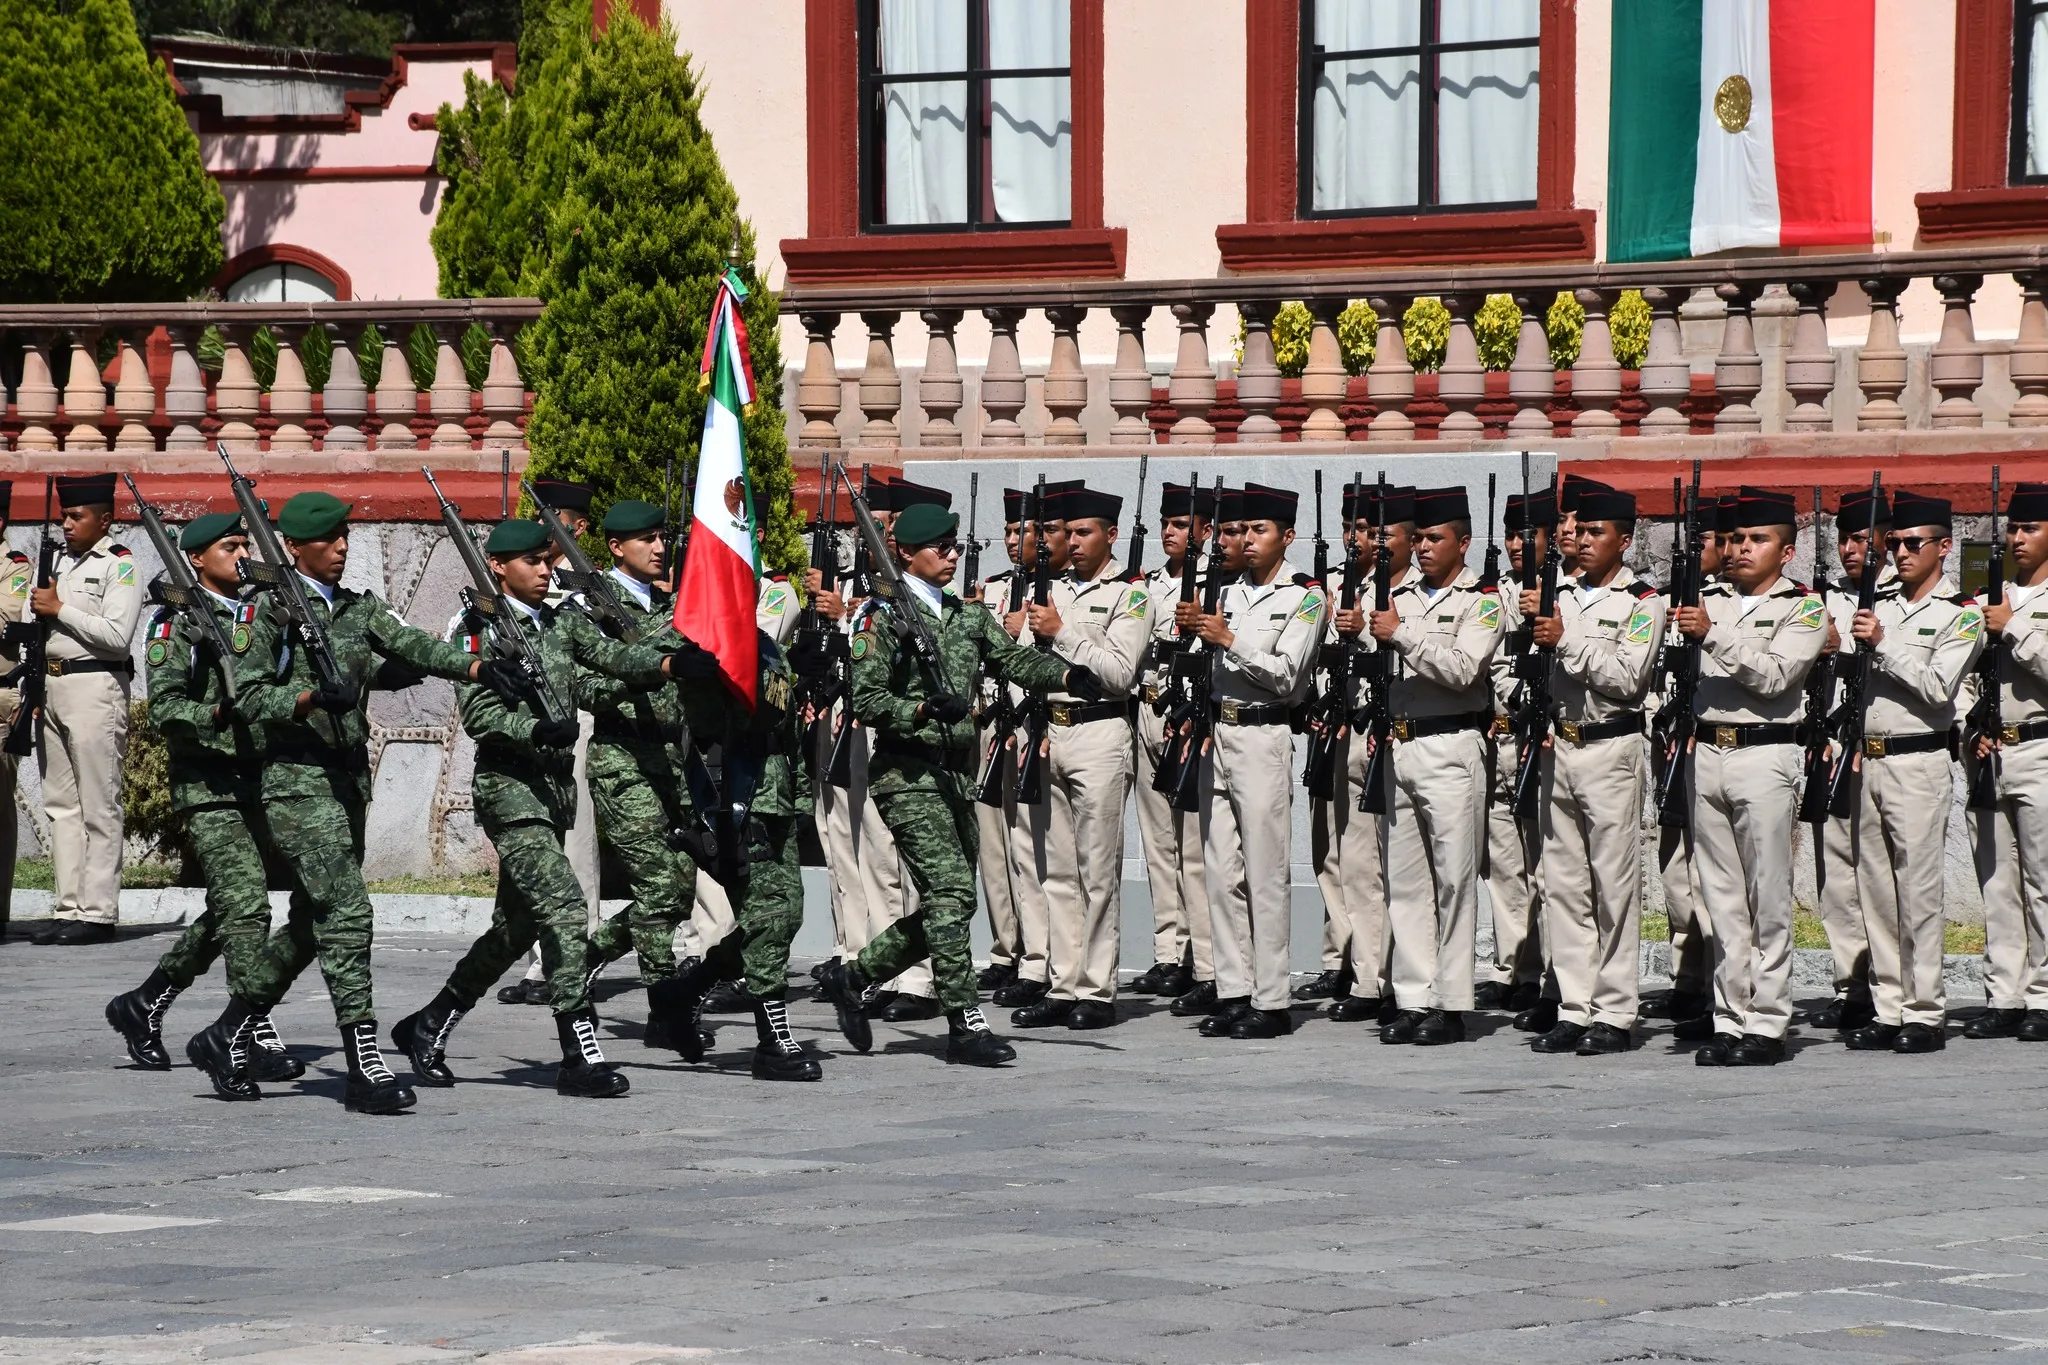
{"points": [[1135, 1195]]}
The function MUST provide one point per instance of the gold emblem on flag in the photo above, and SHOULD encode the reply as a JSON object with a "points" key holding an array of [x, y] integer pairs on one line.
{"points": [[1731, 104]]}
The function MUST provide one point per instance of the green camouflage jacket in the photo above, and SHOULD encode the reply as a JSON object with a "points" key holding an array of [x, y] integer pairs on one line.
{"points": [[709, 707], [211, 764], [622, 712]]}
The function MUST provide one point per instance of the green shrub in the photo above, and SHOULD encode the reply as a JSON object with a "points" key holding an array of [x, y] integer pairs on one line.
{"points": [[1426, 328], [146, 786], [1292, 324], [1629, 323], [1498, 326], [1358, 332], [1565, 325]]}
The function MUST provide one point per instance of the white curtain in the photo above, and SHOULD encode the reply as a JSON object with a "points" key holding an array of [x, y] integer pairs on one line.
{"points": [[1031, 129], [1368, 111], [924, 129], [2037, 98], [1487, 103]]}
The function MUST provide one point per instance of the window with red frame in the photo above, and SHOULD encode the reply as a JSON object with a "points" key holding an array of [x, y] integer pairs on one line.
{"points": [[2028, 146]]}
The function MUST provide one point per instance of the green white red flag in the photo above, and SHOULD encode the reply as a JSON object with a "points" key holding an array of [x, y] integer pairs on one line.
{"points": [[722, 564]]}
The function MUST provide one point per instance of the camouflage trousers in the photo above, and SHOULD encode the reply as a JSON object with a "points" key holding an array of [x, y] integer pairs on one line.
{"points": [[321, 839], [232, 848], [768, 917], [632, 793], [937, 836], [538, 896]]}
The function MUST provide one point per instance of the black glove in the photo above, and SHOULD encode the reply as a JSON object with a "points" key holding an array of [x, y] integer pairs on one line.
{"points": [[1082, 682], [338, 699], [556, 734], [504, 678], [691, 660], [395, 675], [946, 709]]}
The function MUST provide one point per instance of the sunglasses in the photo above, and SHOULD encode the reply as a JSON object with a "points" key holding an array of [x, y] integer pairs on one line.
{"points": [[1912, 545], [945, 548]]}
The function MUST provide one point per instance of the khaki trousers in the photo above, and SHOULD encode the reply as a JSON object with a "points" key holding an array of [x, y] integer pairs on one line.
{"points": [[1173, 859], [1247, 824], [1514, 886], [992, 863], [711, 919], [1344, 844], [1901, 819], [1430, 846], [84, 743], [834, 815], [1744, 803], [1692, 933], [2010, 847], [1593, 878], [1841, 911], [1088, 775], [1026, 839]]}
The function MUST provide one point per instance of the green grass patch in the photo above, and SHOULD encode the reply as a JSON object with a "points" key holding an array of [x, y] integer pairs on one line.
{"points": [[1807, 932], [37, 874], [469, 884]]}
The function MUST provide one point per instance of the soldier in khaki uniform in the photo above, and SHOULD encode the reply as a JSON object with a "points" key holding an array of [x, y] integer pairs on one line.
{"points": [[2010, 841], [1923, 640], [14, 588], [1760, 633], [1604, 639], [1097, 617], [992, 821], [1181, 959], [91, 612], [1264, 636]]}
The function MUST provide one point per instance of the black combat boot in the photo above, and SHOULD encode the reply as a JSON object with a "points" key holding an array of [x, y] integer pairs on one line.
{"points": [[268, 1061], [423, 1038], [585, 1073], [138, 1016], [372, 1088], [1195, 1002], [728, 997], [969, 1042], [846, 988], [777, 1054], [676, 1006], [221, 1050]]}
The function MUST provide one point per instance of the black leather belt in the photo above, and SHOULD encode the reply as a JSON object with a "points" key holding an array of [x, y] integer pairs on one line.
{"points": [[2024, 732], [924, 751], [1251, 712], [1422, 727], [1630, 724], [1719, 736], [1080, 713], [61, 668], [1884, 746]]}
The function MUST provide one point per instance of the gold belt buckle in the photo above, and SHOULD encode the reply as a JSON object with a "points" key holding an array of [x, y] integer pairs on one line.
{"points": [[1062, 714], [56, 667], [1501, 727], [1727, 737], [1569, 731], [1873, 746], [1151, 694], [2010, 734], [1399, 730], [1229, 711]]}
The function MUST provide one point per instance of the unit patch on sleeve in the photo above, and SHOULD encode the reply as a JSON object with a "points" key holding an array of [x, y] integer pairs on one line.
{"points": [[158, 653], [1311, 607], [1639, 628], [1137, 603], [862, 643], [1489, 612], [124, 573], [1970, 624], [1810, 616]]}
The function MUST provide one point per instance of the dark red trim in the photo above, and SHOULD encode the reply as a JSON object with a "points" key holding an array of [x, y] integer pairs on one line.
{"points": [[1271, 90], [648, 10], [283, 253], [258, 173], [1084, 96], [1957, 215], [832, 118], [1428, 239], [1557, 120], [1983, 98], [1059, 253]]}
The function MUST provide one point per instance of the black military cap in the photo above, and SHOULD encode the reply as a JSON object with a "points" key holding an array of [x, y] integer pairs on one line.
{"points": [[1911, 509], [2029, 502], [1763, 507], [1606, 504], [1263, 503], [1438, 506]]}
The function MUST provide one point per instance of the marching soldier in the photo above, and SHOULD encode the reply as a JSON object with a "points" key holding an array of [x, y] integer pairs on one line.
{"points": [[1264, 637], [1923, 639], [1181, 960], [1760, 633], [923, 771], [1443, 628], [90, 613], [1095, 617], [2010, 841], [1606, 632]]}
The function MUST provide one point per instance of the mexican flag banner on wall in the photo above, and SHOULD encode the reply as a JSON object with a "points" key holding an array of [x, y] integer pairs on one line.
{"points": [[722, 564], [1738, 123]]}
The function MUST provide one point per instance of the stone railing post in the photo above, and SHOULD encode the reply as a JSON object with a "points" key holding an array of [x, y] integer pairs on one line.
{"points": [[817, 390], [184, 391], [85, 393], [35, 398], [1666, 378], [1192, 386], [397, 398], [1002, 380], [1881, 368], [939, 389], [1461, 379], [448, 400], [291, 396], [1130, 379], [504, 391], [1066, 385], [1738, 370], [1258, 376], [237, 398], [2029, 361], [1596, 379], [1809, 362], [345, 401], [1390, 381], [881, 388], [134, 397], [1532, 379], [1323, 379], [1956, 366]]}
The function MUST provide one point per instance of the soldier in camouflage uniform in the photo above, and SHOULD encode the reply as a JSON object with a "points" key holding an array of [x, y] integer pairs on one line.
{"points": [[923, 776], [216, 774], [525, 799], [316, 785]]}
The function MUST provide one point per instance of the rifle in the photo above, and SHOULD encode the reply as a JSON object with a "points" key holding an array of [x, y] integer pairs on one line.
{"points": [[1375, 720], [32, 674], [1820, 695], [1002, 716], [973, 564], [600, 598], [910, 625], [1191, 683], [1174, 696], [504, 621], [863, 559], [1854, 671], [815, 633], [1331, 710], [182, 593], [1658, 676], [1489, 581], [1987, 716], [1037, 712], [270, 567], [1134, 565], [1533, 720], [1489, 572], [1322, 565], [1676, 722]]}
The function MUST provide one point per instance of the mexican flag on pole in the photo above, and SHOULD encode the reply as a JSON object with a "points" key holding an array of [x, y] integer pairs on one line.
{"points": [[722, 564], [1738, 123]]}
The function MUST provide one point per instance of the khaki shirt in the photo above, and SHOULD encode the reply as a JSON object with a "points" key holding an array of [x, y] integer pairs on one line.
{"points": [[1609, 650], [1754, 662], [776, 610], [1927, 650], [1444, 647], [102, 595], [1278, 628], [1501, 672], [1105, 627], [1361, 643], [20, 576], [1163, 587], [2024, 679]]}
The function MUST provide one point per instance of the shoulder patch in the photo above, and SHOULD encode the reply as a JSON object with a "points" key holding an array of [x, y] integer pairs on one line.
{"points": [[124, 572], [158, 653], [246, 610], [1811, 614], [242, 638], [1311, 606], [162, 624], [863, 641], [1970, 624], [775, 600], [1489, 611], [1138, 603], [1639, 625]]}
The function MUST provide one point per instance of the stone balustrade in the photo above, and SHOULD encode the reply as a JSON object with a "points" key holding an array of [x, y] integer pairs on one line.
{"points": [[1780, 359], [153, 397]]}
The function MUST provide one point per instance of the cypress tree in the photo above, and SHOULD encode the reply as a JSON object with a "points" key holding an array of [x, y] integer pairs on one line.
{"points": [[107, 200]]}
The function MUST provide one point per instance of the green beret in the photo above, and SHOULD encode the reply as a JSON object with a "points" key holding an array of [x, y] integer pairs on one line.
{"points": [[516, 538], [203, 531], [631, 517], [313, 516], [924, 523]]}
